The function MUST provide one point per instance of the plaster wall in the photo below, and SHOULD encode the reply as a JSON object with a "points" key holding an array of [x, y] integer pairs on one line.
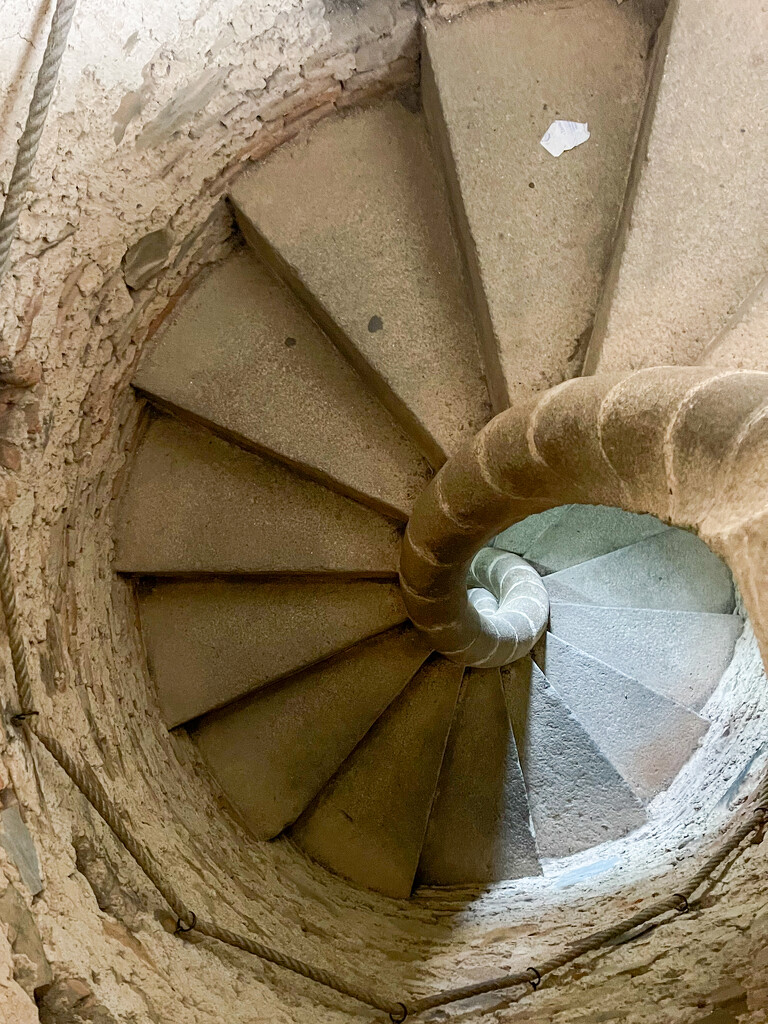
{"points": [[158, 106]]}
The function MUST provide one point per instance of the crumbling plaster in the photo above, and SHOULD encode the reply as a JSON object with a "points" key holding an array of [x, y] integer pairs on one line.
{"points": [[158, 105]]}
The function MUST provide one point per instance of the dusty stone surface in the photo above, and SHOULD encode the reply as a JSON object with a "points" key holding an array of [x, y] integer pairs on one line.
{"points": [[261, 372], [479, 830], [742, 344], [211, 641], [68, 353], [195, 504], [369, 822], [537, 231], [371, 249], [294, 736], [693, 243]]}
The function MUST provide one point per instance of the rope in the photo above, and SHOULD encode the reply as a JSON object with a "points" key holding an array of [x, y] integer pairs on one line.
{"points": [[88, 784], [30, 137]]}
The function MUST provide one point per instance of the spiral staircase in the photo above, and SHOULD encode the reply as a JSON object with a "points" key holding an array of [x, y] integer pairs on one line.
{"points": [[345, 688]]}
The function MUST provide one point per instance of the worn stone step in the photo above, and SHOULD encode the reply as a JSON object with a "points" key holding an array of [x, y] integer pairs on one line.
{"points": [[356, 218], [680, 654], [274, 751], [693, 239], [479, 830], [241, 355], [587, 531], [646, 736], [742, 343], [522, 535], [211, 641], [368, 823], [195, 504], [576, 796], [537, 230], [672, 569]]}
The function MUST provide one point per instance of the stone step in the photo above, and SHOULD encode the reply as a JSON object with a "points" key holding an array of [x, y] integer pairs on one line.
{"points": [[587, 531], [522, 535], [211, 641], [742, 344], [692, 243], [368, 823], [577, 797], [680, 654], [241, 355], [274, 751], [195, 504], [646, 736], [479, 830], [366, 241], [672, 569], [537, 230]]}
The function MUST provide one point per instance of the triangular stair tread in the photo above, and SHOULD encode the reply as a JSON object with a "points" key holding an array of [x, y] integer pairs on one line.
{"points": [[370, 250], [368, 823], [673, 569], [692, 245], [494, 80], [577, 797], [647, 737], [479, 830], [195, 504], [273, 751], [523, 535], [211, 641], [588, 531], [241, 355], [743, 342], [680, 654]]}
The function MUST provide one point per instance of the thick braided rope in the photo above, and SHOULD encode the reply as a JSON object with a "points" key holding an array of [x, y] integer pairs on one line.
{"points": [[33, 130]]}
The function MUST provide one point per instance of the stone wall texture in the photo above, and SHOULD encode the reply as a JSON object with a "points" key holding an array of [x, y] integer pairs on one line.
{"points": [[158, 106]]}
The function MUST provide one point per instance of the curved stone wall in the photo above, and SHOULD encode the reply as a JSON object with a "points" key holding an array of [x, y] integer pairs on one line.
{"points": [[155, 112]]}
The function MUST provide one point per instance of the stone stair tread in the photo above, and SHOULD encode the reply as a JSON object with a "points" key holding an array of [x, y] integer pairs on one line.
{"points": [[743, 342], [479, 830], [368, 823], [211, 641], [494, 80], [196, 504], [274, 750], [679, 654], [587, 531], [672, 569], [521, 536], [694, 241], [646, 736], [241, 355], [370, 249], [577, 797]]}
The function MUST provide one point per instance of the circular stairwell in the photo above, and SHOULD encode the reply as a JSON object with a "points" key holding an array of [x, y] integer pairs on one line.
{"points": [[294, 422]]}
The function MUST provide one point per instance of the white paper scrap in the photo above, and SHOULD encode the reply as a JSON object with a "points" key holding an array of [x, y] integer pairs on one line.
{"points": [[562, 135]]}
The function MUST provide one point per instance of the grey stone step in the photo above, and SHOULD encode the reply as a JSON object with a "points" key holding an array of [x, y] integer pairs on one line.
{"points": [[647, 737], [522, 535], [680, 654], [368, 823], [479, 830], [693, 240], [211, 641], [672, 569], [537, 230], [742, 344], [356, 218], [241, 355], [577, 797], [195, 504], [274, 751], [587, 531]]}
